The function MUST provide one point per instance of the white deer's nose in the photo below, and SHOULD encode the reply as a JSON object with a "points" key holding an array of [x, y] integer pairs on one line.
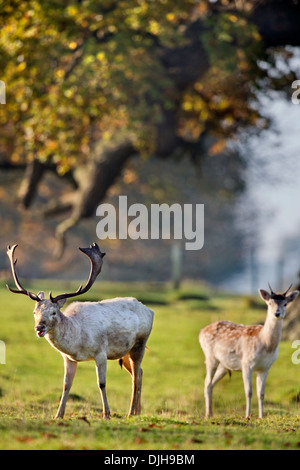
{"points": [[40, 329]]}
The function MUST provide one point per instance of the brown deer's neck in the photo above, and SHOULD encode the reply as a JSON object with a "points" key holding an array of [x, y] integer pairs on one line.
{"points": [[270, 334]]}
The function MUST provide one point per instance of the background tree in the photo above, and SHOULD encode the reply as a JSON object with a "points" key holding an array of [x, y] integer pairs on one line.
{"points": [[90, 84]]}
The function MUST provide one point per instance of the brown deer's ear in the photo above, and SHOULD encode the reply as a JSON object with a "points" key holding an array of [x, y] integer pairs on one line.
{"points": [[292, 296], [264, 294]]}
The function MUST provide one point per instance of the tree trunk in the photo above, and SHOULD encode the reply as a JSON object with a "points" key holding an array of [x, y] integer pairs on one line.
{"points": [[98, 175], [33, 175], [94, 180]]}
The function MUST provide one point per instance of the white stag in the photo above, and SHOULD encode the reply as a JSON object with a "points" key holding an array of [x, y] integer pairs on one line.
{"points": [[230, 346], [111, 329]]}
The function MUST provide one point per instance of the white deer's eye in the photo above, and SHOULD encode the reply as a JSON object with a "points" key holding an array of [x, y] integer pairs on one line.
{"points": [[53, 313]]}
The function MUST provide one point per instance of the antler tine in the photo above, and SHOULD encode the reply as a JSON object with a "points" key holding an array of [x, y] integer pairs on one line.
{"points": [[21, 290], [271, 290], [96, 258], [287, 290]]}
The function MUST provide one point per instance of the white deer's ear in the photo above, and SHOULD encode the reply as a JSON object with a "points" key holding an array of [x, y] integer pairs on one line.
{"points": [[264, 294], [61, 303], [41, 295], [292, 296]]}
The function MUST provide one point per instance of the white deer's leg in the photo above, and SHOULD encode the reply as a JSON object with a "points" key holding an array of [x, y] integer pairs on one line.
{"points": [[101, 362], [211, 367], [138, 404], [136, 356], [135, 405], [70, 370], [135, 408], [247, 378], [260, 390]]}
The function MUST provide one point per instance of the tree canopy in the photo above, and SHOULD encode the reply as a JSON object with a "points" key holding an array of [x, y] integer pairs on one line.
{"points": [[89, 84]]}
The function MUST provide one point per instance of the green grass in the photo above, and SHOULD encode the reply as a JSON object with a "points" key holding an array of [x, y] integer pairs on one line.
{"points": [[172, 400]]}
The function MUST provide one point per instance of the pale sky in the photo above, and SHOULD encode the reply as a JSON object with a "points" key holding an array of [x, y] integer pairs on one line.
{"points": [[276, 187], [274, 195]]}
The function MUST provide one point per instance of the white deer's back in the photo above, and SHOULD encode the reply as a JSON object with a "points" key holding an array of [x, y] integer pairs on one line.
{"points": [[112, 326], [121, 309]]}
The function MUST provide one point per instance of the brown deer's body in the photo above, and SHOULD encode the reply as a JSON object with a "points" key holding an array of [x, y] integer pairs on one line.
{"points": [[230, 346]]}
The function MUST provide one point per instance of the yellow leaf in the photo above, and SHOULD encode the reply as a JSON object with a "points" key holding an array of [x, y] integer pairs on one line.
{"points": [[217, 147], [129, 176], [62, 169], [101, 57], [69, 93], [154, 27], [170, 17], [21, 66], [15, 158], [51, 144], [187, 105], [223, 104], [233, 18], [72, 45], [60, 73], [72, 10]]}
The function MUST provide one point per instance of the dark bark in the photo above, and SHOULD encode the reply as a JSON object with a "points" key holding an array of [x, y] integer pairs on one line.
{"points": [[96, 178], [189, 63], [34, 172], [278, 22], [33, 175], [166, 138], [62, 205]]}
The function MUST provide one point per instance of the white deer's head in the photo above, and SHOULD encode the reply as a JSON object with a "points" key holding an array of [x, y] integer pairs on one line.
{"points": [[47, 311], [47, 314]]}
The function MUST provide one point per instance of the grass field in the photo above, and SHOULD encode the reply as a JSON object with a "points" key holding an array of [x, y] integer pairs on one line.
{"points": [[172, 400]]}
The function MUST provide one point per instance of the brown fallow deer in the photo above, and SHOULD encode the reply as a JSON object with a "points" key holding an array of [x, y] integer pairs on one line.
{"points": [[230, 346], [111, 329]]}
